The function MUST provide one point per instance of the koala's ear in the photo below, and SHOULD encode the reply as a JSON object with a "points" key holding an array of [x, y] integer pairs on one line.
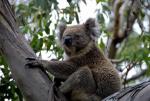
{"points": [[60, 30], [93, 28]]}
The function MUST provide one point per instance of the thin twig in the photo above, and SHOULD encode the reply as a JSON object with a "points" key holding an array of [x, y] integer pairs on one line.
{"points": [[128, 67]]}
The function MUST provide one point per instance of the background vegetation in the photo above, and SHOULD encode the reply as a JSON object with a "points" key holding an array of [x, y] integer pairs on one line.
{"points": [[125, 36]]}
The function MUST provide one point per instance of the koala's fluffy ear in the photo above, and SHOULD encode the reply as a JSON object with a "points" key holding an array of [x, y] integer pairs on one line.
{"points": [[60, 30], [92, 28]]}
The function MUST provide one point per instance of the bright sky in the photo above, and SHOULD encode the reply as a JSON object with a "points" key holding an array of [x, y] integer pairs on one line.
{"points": [[87, 10]]}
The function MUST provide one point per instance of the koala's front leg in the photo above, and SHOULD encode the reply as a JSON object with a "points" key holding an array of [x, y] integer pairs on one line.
{"points": [[60, 69]]}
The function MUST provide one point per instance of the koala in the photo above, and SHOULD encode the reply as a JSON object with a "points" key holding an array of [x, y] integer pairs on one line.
{"points": [[87, 74]]}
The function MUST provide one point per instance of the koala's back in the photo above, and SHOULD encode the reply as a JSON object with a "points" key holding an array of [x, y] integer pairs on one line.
{"points": [[107, 79], [106, 76]]}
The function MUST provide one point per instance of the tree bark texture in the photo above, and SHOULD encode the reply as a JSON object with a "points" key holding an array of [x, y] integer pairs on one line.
{"points": [[33, 83], [139, 92]]}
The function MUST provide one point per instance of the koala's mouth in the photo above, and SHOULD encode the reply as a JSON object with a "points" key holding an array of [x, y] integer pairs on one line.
{"points": [[69, 50], [78, 49]]}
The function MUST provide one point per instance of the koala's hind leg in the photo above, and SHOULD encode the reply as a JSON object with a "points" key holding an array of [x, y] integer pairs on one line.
{"points": [[81, 79], [80, 83]]}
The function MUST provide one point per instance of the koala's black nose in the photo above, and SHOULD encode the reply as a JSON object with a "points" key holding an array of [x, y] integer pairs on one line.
{"points": [[68, 41]]}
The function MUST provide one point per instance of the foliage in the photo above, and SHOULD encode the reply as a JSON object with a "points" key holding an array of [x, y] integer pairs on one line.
{"points": [[8, 88], [38, 19]]}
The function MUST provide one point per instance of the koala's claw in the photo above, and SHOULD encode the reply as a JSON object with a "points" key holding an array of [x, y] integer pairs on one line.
{"points": [[33, 62]]}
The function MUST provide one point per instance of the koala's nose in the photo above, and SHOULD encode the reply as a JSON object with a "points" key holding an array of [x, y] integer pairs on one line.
{"points": [[68, 41]]}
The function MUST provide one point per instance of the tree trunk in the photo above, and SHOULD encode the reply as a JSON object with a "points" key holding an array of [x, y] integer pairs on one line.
{"points": [[33, 83]]}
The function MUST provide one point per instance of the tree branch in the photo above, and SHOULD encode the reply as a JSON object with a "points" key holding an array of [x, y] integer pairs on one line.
{"points": [[139, 92], [118, 34]]}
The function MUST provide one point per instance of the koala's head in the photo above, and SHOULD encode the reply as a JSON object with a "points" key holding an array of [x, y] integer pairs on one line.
{"points": [[75, 38]]}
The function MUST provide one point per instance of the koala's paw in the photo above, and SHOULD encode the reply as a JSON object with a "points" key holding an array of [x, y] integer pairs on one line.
{"points": [[33, 63]]}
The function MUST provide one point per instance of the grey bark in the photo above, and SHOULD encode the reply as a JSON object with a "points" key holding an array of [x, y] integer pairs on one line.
{"points": [[139, 92], [33, 83]]}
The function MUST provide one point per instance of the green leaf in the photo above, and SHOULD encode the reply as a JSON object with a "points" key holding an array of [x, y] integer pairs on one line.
{"points": [[97, 1], [47, 30], [101, 18], [102, 45]]}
